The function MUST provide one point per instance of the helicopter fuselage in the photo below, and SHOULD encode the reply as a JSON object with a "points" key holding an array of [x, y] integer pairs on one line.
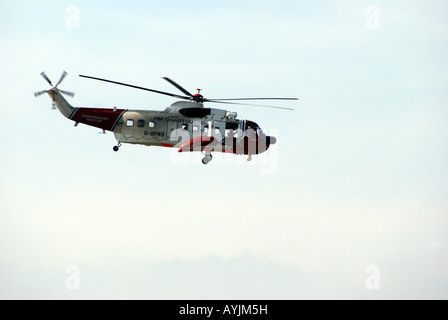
{"points": [[184, 125], [188, 126]]}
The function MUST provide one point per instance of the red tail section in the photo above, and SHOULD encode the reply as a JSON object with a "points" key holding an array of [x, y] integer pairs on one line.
{"points": [[105, 119]]}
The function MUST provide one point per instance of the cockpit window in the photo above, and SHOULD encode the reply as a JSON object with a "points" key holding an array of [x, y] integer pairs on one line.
{"points": [[250, 125], [232, 125]]}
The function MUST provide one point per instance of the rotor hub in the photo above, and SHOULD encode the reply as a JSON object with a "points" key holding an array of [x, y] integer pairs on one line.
{"points": [[198, 97]]}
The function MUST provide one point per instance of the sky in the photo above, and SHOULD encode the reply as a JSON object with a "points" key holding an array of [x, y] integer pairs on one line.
{"points": [[351, 203]]}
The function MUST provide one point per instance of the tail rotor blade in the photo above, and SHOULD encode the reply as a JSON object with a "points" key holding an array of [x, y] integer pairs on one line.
{"points": [[63, 75], [46, 78], [39, 93], [69, 93]]}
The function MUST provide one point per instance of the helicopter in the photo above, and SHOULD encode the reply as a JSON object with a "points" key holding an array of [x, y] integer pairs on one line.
{"points": [[186, 125]]}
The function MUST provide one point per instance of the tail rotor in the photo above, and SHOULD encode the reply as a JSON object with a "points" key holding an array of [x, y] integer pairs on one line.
{"points": [[39, 93], [63, 75], [54, 87], [46, 78]]}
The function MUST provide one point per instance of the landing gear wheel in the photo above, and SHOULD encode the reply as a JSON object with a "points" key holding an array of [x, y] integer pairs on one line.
{"points": [[117, 147], [249, 157], [207, 158]]}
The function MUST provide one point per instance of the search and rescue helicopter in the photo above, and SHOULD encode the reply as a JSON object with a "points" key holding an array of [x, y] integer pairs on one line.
{"points": [[187, 125]]}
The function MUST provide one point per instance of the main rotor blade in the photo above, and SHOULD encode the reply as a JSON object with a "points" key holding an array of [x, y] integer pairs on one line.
{"points": [[178, 86], [245, 104], [61, 78], [255, 99], [137, 87], [46, 78]]}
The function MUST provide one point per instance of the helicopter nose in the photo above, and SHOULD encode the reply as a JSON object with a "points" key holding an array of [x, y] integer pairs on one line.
{"points": [[271, 140]]}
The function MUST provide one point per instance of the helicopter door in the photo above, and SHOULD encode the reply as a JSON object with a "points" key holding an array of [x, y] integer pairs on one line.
{"points": [[171, 130], [219, 129]]}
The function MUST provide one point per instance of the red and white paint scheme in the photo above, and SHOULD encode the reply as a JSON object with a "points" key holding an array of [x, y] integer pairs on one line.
{"points": [[186, 125]]}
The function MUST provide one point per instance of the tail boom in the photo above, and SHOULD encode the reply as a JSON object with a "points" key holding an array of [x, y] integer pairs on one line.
{"points": [[59, 101], [105, 119]]}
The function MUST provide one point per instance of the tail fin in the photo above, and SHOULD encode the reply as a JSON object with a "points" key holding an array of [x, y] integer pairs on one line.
{"points": [[59, 101]]}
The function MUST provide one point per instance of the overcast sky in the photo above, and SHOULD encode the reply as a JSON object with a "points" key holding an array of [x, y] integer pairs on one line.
{"points": [[351, 203]]}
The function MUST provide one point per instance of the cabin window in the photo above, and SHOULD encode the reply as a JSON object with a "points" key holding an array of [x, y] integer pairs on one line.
{"points": [[231, 133], [185, 127], [195, 128], [217, 131], [140, 123], [130, 123], [152, 124]]}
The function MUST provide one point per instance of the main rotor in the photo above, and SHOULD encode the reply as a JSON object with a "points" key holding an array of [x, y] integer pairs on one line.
{"points": [[198, 97]]}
